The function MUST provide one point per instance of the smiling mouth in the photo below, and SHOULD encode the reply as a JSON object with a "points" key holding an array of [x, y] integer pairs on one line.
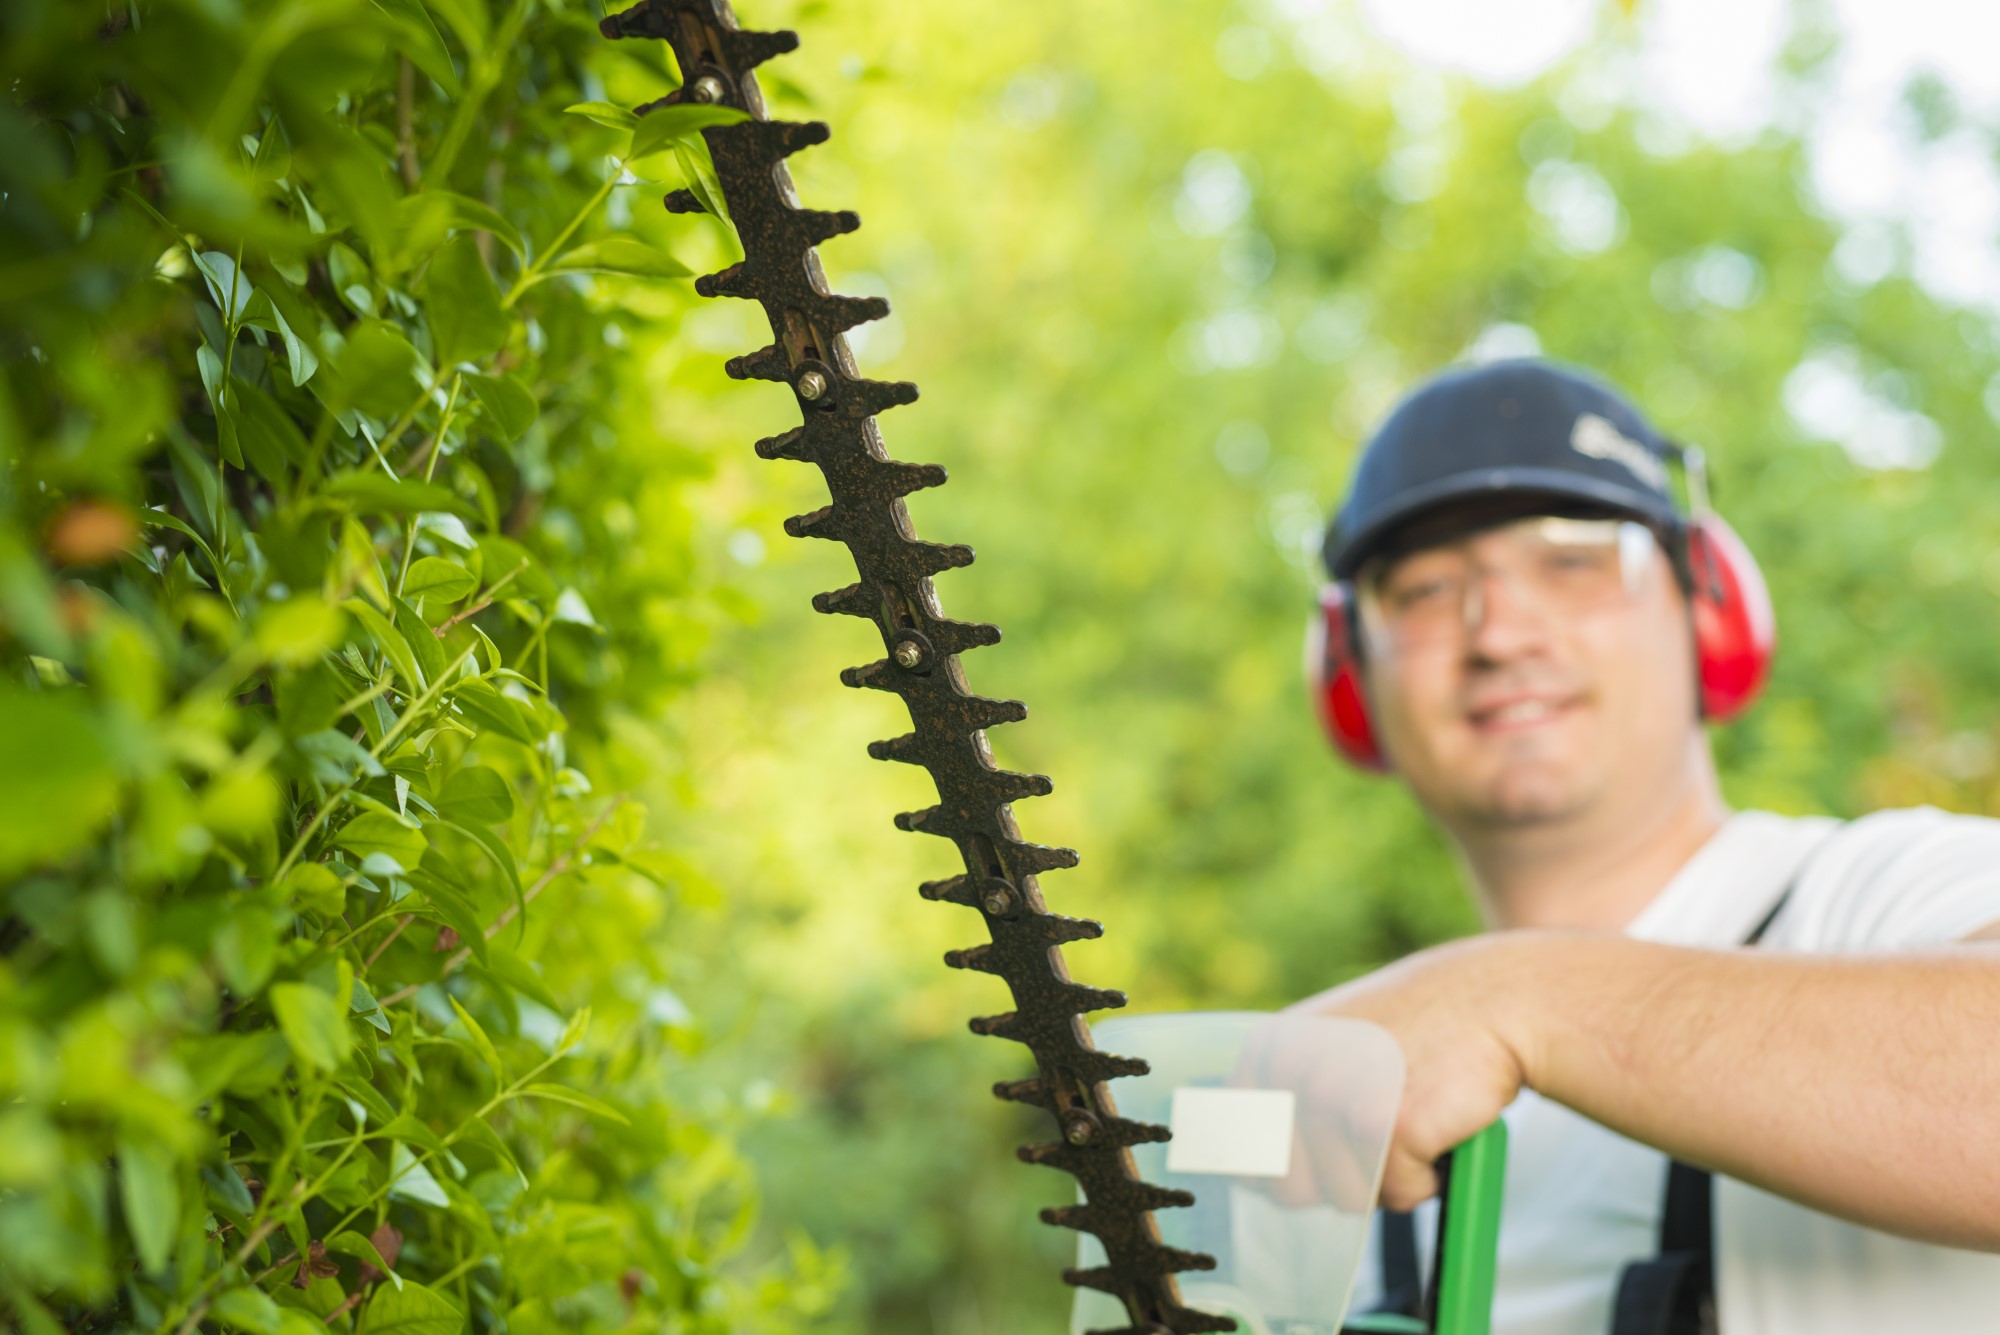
{"points": [[1514, 715]]}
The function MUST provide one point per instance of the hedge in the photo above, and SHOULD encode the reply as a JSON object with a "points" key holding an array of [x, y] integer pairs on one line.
{"points": [[333, 562]]}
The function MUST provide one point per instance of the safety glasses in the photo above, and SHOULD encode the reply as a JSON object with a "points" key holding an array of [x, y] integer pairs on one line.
{"points": [[1433, 597]]}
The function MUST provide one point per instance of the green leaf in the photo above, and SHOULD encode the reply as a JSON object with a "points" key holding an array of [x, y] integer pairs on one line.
{"points": [[476, 793], [423, 643], [401, 659], [378, 371], [226, 444], [572, 609], [351, 279], [411, 1310], [269, 438], [34, 1318], [418, 38], [378, 493], [297, 631], [349, 1243], [478, 1131], [438, 578], [151, 1194], [57, 782], [380, 1114], [509, 404], [300, 360], [498, 853], [231, 288], [449, 903], [228, 1189], [247, 1308], [605, 113], [469, 22], [335, 757], [660, 127], [448, 529], [411, 1180], [378, 832], [487, 1052], [352, 172], [407, 1129], [273, 159], [426, 218], [511, 970], [463, 305], [312, 1023], [574, 1031], [698, 169], [174, 522], [501, 557], [246, 949], [309, 886], [493, 712], [559, 1094], [246, 1065], [620, 255], [368, 1008]]}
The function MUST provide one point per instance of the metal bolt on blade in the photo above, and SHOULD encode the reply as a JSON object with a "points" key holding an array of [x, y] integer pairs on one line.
{"points": [[998, 901], [1080, 1128], [707, 88], [909, 653], [811, 385]]}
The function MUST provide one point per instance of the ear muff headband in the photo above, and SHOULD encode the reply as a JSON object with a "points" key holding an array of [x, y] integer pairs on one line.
{"points": [[1735, 635]]}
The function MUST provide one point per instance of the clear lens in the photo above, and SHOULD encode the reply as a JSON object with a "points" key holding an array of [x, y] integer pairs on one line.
{"points": [[1565, 566]]}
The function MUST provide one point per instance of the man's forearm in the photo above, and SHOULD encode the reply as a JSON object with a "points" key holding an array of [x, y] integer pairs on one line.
{"points": [[1865, 1087]]}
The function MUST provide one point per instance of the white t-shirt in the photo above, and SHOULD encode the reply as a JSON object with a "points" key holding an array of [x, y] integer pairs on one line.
{"points": [[1581, 1202]]}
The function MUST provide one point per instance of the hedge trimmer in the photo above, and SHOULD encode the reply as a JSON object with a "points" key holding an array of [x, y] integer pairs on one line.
{"points": [[921, 655]]}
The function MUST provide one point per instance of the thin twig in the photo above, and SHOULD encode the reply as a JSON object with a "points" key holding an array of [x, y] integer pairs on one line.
{"points": [[353, 1301], [387, 941], [251, 1243], [492, 592], [443, 628], [508, 914], [406, 134]]}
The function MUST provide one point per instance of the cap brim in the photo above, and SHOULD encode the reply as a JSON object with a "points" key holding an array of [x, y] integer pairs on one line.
{"points": [[1346, 552]]}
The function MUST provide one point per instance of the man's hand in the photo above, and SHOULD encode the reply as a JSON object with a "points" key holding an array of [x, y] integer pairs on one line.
{"points": [[1860, 1086], [1450, 1009]]}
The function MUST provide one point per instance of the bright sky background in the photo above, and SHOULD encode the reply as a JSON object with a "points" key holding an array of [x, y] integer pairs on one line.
{"points": [[1708, 65]]}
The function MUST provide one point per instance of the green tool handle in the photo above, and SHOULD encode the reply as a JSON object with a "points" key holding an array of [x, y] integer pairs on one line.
{"points": [[1469, 1248]]}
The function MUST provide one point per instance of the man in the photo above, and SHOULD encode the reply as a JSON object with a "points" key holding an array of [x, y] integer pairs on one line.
{"points": [[1518, 601]]}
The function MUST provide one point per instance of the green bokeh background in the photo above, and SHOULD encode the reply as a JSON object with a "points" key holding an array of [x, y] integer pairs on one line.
{"points": [[1153, 306]]}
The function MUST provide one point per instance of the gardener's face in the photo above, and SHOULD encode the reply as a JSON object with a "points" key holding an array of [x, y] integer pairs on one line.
{"points": [[1531, 672]]}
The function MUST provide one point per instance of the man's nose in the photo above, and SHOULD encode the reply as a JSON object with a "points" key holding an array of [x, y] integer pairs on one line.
{"points": [[1502, 619]]}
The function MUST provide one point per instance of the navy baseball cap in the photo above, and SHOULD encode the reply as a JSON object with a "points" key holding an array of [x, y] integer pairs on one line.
{"points": [[1509, 430]]}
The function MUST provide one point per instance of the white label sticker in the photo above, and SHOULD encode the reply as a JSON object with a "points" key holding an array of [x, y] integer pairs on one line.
{"points": [[1231, 1132]]}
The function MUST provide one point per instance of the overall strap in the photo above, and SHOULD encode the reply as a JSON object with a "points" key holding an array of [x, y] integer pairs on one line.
{"points": [[1402, 1277], [1673, 1293]]}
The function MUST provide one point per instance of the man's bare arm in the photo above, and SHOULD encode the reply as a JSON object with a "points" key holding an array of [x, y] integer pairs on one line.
{"points": [[1865, 1087]]}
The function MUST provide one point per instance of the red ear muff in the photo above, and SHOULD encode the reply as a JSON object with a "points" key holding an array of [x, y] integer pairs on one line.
{"points": [[1735, 631], [1335, 679]]}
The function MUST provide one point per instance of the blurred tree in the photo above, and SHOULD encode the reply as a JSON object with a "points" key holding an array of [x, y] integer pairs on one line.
{"points": [[1158, 270]]}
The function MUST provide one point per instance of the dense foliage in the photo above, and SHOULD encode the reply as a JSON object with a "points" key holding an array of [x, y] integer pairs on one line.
{"points": [[334, 947], [1157, 269]]}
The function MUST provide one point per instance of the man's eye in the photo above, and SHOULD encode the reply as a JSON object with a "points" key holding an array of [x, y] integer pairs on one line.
{"points": [[1419, 593], [1579, 559]]}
